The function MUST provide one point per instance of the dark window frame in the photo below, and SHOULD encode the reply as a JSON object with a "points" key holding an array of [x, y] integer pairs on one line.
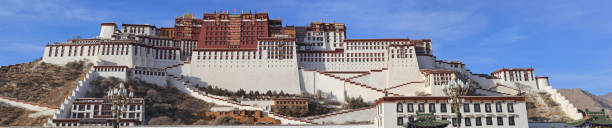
{"points": [[498, 107], [421, 107], [443, 108], [500, 121], [488, 107], [400, 107], [432, 108], [410, 107]]}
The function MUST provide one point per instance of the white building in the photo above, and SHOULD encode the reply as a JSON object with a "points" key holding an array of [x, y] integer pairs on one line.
{"points": [[318, 59], [477, 111], [97, 112]]}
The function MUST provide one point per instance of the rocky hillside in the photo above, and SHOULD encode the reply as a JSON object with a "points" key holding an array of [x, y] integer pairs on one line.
{"points": [[163, 106], [39, 82], [584, 100], [36, 82], [14, 116], [607, 96], [541, 108]]}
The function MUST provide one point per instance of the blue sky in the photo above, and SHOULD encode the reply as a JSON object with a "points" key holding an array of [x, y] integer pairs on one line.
{"points": [[567, 40]]}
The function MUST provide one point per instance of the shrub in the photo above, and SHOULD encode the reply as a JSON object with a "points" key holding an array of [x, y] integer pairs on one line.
{"points": [[354, 103], [223, 120], [163, 120]]}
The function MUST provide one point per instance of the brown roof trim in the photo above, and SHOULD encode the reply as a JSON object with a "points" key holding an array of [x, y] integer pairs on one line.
{"points": [[105, 24], [382, 39], [275, 39], [225, 49], [137, 25], [334, 51], [73, 44], [542, 77], [443, 98], [400, 45], [82, 39], [512, 69], [346, 72]]}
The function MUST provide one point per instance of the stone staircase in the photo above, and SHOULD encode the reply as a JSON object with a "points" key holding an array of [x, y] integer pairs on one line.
{"points": [[396, 86], [353, 83]]}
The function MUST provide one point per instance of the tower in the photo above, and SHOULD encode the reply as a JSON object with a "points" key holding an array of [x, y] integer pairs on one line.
{"points": [[107, 30]]}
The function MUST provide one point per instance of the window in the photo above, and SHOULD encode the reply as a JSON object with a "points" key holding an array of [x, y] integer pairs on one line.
{"points": [[498, 107], [432, 108], [489, 120], [478, 121], [468, 122], [510, 107], [476, 107], [400, 121], [421, 107], [488, 107], [511, 120], [500, 121], [454, 120], [442, 107], [400, 107], [466, 107], [410, 108]]}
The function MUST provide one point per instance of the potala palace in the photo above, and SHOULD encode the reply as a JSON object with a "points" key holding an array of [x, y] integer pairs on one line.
{"points": [[250, 51]]}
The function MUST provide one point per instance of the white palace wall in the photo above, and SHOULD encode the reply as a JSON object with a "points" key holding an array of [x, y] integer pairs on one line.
{"points": [[403, 66], [64, 53], [312, 81], [127, 53], [273, 67]]}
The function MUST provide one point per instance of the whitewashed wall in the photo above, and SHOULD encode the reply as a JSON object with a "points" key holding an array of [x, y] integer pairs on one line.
{"points": [[353, 115], [81, 90], [568, 108]]}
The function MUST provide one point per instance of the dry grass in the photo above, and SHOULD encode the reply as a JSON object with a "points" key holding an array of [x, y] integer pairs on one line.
{"points": [[37, 82], [14, 116], [42, 83]]}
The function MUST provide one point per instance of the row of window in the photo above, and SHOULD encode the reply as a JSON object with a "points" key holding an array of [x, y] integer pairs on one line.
{"points": [[72, 50], [373, 43], [290, 102], [466, 107], [341, 54], [468, 121], [378, 59], [138, 30], [440, 78], [516, 75], [138, 72], [110, 69], [83, 107]]}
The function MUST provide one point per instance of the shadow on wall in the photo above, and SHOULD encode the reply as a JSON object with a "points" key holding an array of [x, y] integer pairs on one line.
{"points": [[108, 63]]}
